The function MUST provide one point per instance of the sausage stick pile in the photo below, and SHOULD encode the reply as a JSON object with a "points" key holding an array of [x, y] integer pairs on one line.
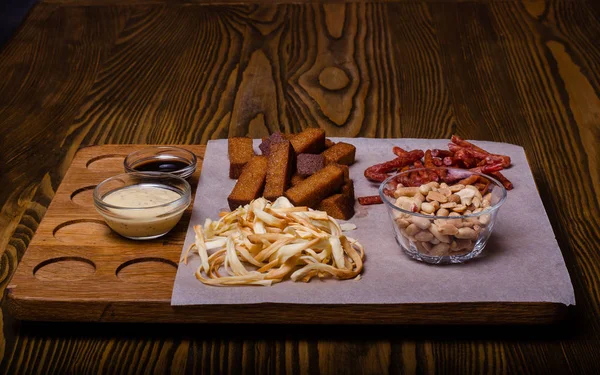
{"points": [[461, 154]]}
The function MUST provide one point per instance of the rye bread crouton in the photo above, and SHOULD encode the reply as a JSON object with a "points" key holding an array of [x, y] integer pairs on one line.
{"points": [[250, 184], [296, 179], [281, 166], [265, 146], [240, 152], [317, 187], [308, 164], [341, 205], [309, 141], [341, 153]]}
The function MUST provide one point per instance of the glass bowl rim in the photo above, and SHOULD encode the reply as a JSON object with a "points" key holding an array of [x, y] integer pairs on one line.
{"points": [[186, 171], [488, 211], [184, 200]]}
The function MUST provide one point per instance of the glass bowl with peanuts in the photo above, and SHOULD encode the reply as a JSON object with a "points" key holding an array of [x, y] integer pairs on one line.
{"points": [[442, 215]]}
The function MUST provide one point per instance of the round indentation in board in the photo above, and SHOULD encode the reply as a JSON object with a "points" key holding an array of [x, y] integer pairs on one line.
{"points": [[83, 232], [84, 196], [143, 270], [64, 269], [106, 162]]}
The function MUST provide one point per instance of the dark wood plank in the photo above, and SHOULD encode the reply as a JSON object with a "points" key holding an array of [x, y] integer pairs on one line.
{"points": [[522, 72]]}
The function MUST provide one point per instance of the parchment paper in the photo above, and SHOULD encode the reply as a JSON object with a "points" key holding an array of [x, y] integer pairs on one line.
{"points": [[522, 261]]}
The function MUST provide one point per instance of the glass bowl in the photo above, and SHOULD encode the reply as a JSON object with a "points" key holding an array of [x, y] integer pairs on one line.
{"points": [[142, 206], [453, 230], [174, 160]]}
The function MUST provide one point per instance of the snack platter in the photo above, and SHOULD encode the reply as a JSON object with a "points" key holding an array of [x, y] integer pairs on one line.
{"points": [[77, 269]]}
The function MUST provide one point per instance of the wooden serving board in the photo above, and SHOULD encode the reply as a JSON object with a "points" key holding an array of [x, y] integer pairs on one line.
{"points": [[77, 269]]}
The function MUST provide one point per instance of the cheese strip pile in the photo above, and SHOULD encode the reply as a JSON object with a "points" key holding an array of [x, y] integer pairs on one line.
{"points": [[262, 242]]}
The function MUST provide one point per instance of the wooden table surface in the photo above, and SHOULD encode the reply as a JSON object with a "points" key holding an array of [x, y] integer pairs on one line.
{"points": [[85, 72]]}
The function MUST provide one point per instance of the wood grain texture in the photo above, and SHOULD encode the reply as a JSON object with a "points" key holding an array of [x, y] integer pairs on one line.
{"points": [[521, 72]]}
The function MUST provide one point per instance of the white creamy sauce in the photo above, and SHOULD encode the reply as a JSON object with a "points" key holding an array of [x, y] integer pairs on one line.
{"points": [[154, 216], [138, 196]]}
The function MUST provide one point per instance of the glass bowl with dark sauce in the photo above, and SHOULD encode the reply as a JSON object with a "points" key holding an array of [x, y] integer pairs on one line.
{"points": [[167, 159]]}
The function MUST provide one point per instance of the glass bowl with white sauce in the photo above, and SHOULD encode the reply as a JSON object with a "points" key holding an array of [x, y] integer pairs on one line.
{"points": [[142, 205]]}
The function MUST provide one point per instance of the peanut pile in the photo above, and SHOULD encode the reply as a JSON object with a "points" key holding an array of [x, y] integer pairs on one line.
{"points": [[442, 237]]}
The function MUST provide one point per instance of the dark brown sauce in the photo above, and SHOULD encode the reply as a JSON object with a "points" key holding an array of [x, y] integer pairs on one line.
{"points": [[166, 165]]}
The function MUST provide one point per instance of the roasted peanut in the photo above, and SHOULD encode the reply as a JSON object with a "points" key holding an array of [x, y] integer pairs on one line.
{"points": [[424, 189], [424, 236], [406, 191], [473, 189], [447, 229], [407, 204], [442, 212], [463, 244], [466, 196], [466, 233], [457, 187], [485, 219], [460, 208], [419, 198], [445, 192], [459, 223], [454, 198], [487, 198], [436, 196], [421, 222], [435, 231], [427, 207], [402, 223], [424, 247], [449, 205], [439, 222], [470, 221], [440, 249], [412, 229]]}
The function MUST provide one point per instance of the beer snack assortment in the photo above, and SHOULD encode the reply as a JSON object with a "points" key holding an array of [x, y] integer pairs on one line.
{"points": [[287, 199], [443, 203]]}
